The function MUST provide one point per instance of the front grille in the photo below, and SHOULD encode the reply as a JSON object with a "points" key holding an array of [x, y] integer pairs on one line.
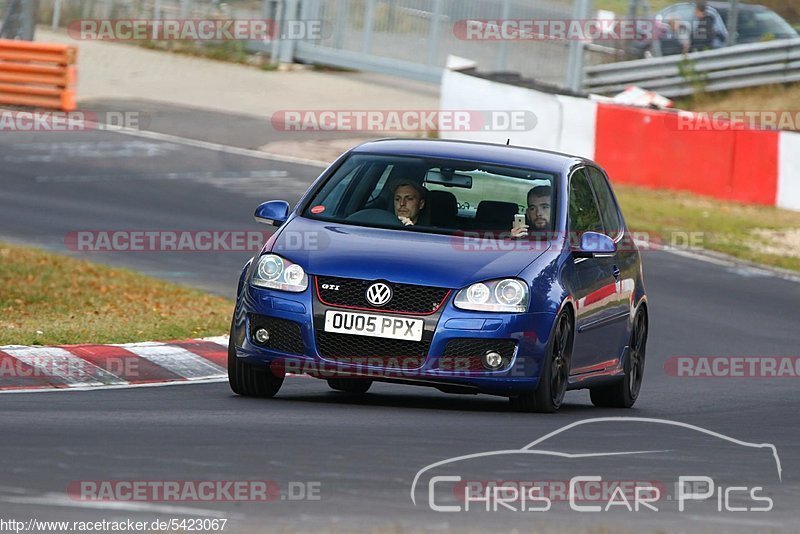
{"points": [[464, 354], [284, 336], [373, 351], [406, 298]]}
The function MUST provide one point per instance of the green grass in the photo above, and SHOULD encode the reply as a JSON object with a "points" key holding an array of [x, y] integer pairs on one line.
{"points": [[759, 234], [50, 299]]}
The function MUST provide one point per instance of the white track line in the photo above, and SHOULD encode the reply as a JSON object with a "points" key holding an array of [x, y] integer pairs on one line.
{"points": [[228, 149], [46, 389], [58, 499]]}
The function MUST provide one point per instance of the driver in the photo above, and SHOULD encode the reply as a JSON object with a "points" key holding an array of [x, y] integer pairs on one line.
{"points": [[409, 201], [537, 214]]}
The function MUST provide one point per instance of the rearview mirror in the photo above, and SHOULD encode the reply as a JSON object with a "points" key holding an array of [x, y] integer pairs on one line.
{"points": [[594, 244], [449, 178], [274, 212]]}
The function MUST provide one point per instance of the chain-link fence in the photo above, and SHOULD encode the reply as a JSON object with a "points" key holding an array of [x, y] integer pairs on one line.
{"points": [[412, 38], [17, 19]]}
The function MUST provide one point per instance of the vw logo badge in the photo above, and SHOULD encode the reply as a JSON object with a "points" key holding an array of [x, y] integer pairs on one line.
{"points": [[379, 294]]}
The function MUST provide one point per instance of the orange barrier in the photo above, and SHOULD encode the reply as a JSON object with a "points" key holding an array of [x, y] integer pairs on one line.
{"points": [[37, 74]]}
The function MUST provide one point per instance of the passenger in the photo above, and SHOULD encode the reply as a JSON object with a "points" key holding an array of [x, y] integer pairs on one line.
{"points": [[537, 214], [708, 31]]}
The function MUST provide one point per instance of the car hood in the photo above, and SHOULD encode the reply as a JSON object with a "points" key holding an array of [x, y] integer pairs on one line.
{"points": [[334, 249]]}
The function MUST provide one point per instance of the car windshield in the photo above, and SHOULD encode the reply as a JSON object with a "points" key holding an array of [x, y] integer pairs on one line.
{"points": [[759, 23], [436, 196]]}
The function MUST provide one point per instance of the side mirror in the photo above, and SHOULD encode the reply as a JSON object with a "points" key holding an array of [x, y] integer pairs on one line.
{"points": [[274, 212], [594, 244]]}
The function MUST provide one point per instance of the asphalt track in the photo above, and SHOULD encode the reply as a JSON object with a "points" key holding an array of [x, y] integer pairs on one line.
{"points": [[365, 452]]}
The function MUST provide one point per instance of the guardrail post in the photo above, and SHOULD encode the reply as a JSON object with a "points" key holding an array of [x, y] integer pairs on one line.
{"points": [[287, 42], [502, 47], [369, 15], [341, 24], [733, 22], [274, 9], [186, 8], [575, 57], [28, 25], [433, 43], [56, 15]]}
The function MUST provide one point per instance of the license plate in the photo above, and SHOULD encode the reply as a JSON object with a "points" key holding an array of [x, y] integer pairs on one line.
{"points": [[365, 324]]}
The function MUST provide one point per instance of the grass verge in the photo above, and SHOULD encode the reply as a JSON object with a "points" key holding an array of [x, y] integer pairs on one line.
{"points": [[49, 299], [759, 234], [776, 98]]}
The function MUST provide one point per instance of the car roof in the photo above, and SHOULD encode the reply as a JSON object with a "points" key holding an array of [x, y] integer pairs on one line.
{"points": [[512, 156], [724, 6]]}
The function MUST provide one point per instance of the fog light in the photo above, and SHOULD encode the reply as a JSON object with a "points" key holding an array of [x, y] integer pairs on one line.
{"points": [[262, 335], [492, 360]]}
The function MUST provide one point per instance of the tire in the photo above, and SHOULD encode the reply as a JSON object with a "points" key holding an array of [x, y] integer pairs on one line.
{"points": [[623, 393], [248, 380], [553, 382], [350, 385]]}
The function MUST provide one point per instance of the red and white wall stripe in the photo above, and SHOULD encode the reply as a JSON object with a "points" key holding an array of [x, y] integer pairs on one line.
{"points": [[639, 146]]}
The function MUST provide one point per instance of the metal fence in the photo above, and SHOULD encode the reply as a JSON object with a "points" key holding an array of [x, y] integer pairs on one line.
{"points": [[409, 38], [735, 67], [381, 34], [16, 19]]}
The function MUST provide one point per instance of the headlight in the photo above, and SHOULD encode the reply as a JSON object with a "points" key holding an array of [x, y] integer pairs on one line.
{"points": [[508, 295], [276, 273]]}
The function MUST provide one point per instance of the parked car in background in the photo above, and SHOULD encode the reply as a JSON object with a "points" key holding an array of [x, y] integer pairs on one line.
{"points": [[755, 23]]}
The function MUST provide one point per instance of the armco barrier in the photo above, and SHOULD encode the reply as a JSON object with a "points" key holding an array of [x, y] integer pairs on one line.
{"points": [[639, 146], [37, 74]]}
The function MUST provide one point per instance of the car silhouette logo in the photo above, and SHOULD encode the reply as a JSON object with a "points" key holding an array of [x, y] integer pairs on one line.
{"points": [[378, 294]]}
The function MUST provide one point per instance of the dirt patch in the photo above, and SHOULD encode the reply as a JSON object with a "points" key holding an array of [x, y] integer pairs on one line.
{"points": [[777, 242]]}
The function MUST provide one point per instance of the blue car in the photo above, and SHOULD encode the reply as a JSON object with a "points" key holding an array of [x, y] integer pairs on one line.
{"points": [[468, 267]]}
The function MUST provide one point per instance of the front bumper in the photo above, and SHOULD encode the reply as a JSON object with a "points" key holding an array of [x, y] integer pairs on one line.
{"points": [[439, 367]]}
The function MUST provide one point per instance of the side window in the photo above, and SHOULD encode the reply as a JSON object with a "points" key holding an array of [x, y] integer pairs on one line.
{"points": [[376, 193], [583, 213], [605, 200], [334, 192]]}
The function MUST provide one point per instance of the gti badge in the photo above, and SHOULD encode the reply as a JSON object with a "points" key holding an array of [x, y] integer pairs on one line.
{"points": [[379, 294]]}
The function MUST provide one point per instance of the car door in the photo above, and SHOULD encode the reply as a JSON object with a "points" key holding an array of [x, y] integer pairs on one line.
{"points": [[625, 260], [595, 287]]}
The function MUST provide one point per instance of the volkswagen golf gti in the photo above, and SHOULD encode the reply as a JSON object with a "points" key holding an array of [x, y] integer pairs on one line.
{"points": [[468, 267]]}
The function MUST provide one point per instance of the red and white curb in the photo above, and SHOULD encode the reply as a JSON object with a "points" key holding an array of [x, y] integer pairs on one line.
{"points": [[87, 366]]}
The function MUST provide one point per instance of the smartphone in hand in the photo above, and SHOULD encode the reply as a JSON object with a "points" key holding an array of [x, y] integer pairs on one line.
{"points": [[519, 220]]}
